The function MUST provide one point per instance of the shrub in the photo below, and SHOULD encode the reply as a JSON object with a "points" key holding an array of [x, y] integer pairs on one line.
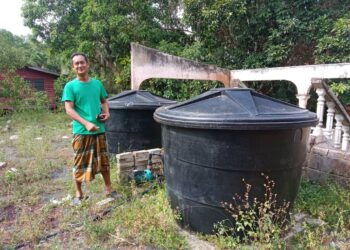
{"points": [[254, 220], [19, 94]]}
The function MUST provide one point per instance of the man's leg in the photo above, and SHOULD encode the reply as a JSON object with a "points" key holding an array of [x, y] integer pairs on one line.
{"points": [[107, 179], [78, 189]]}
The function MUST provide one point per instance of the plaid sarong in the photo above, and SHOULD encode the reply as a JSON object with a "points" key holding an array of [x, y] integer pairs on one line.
{"points": [[90, 156]]}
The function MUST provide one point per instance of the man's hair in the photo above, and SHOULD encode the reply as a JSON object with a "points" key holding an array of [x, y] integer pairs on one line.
{"points": [[79, 54]]}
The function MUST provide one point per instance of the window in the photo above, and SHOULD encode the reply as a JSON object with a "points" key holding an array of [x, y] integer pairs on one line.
{"points": [[37, 84]]}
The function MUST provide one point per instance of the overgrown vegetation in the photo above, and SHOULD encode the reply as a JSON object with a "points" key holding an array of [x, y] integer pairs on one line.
{"points": [[38, 173], [331, 204]]}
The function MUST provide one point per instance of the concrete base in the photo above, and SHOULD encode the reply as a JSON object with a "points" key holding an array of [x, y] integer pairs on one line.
{"points": [[326, 163]]}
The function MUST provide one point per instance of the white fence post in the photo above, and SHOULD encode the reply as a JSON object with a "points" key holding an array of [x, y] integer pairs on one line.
{"points": [[345, 140], [320, 109], [328, 132], [338, 129]]}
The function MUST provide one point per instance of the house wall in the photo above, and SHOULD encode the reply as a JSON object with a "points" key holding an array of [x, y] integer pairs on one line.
{"points": [[48, 82]]}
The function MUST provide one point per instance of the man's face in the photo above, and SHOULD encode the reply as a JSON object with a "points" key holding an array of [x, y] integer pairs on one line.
{"points": [[80, 65]]}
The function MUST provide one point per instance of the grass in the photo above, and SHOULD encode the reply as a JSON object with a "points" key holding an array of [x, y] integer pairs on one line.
{"points": [[331, 204], [43, 174]]}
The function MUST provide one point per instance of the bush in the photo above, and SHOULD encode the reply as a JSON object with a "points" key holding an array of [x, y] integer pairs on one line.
{"points": [[19, 95]]}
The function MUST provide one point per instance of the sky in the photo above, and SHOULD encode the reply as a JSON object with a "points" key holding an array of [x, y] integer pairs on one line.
{"points": [[11, 19]]}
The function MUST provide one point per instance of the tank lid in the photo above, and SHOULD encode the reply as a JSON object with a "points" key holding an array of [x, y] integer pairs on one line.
{"points": [[237, 109], [137, 99]]}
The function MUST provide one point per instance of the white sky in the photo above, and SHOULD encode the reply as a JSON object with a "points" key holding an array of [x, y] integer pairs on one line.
{"points": [[11, 19]]}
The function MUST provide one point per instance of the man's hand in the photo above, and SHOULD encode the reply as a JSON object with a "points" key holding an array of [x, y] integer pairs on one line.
{"points": [[91, 127], [104, 117]]}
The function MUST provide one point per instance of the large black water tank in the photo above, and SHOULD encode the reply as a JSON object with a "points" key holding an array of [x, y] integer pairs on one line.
{"points": [[131, 125], [215, 140]]}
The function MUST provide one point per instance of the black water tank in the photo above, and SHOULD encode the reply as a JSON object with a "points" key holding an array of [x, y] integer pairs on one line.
{"points": [[215, 140], [131, 125]]}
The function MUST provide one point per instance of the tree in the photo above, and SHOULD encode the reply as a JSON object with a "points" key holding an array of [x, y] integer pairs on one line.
{"points": [[12, 54], [232, 34], [103, 30]]}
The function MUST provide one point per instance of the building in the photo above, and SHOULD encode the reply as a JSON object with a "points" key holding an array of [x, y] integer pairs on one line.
{"points": [[41, 80]]}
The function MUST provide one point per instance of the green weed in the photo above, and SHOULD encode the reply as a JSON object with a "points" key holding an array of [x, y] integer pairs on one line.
{"points": [[147, 220], [331, 204], [255, 221]]}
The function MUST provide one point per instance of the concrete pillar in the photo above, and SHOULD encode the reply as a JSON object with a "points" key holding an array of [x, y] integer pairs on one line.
{"points": [[345, 139], [328, 132], [338, 130], [303, 98], [320, 110]]}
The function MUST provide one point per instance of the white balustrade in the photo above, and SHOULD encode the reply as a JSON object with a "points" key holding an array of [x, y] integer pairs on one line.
{"points": [[320, 110], [303, 98], [328, 132], [345, 139], [338, 130]]}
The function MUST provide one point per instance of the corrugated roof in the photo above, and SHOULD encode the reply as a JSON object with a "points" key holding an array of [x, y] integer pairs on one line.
{"points": [[43, 70]]}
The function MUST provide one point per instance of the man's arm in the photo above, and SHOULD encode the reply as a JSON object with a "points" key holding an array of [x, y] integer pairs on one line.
{"points": [[69, 106], [105, 110]]}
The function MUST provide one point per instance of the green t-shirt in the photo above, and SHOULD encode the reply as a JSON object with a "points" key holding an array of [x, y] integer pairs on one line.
{"points": [[86, 97]]}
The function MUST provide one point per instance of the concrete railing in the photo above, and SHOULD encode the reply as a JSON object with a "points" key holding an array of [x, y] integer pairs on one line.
{"points": [[149, 63], [334, 121]]}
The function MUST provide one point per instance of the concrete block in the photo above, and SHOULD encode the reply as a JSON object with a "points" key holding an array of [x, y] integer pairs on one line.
{"points": [[125, 164], [315, 175], [333, 153], [341, 167], [157, 161], [317, 162], [320, 151], [155, 151], [128, 156], [347, 156], [140, 167], [141, 155], [125, 161], [142, 162]]}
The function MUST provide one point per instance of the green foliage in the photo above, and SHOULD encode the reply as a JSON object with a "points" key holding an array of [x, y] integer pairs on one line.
{"points": [[104, 31], [342, 90], [58, 88], [230, 34], [179, 90], [330, 203], [334, 47], [12, 53], [326, 202], [282, 90], [17, 52]]}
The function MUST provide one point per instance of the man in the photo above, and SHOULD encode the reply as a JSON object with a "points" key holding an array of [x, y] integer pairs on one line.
{"points": [[84, 97]]}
